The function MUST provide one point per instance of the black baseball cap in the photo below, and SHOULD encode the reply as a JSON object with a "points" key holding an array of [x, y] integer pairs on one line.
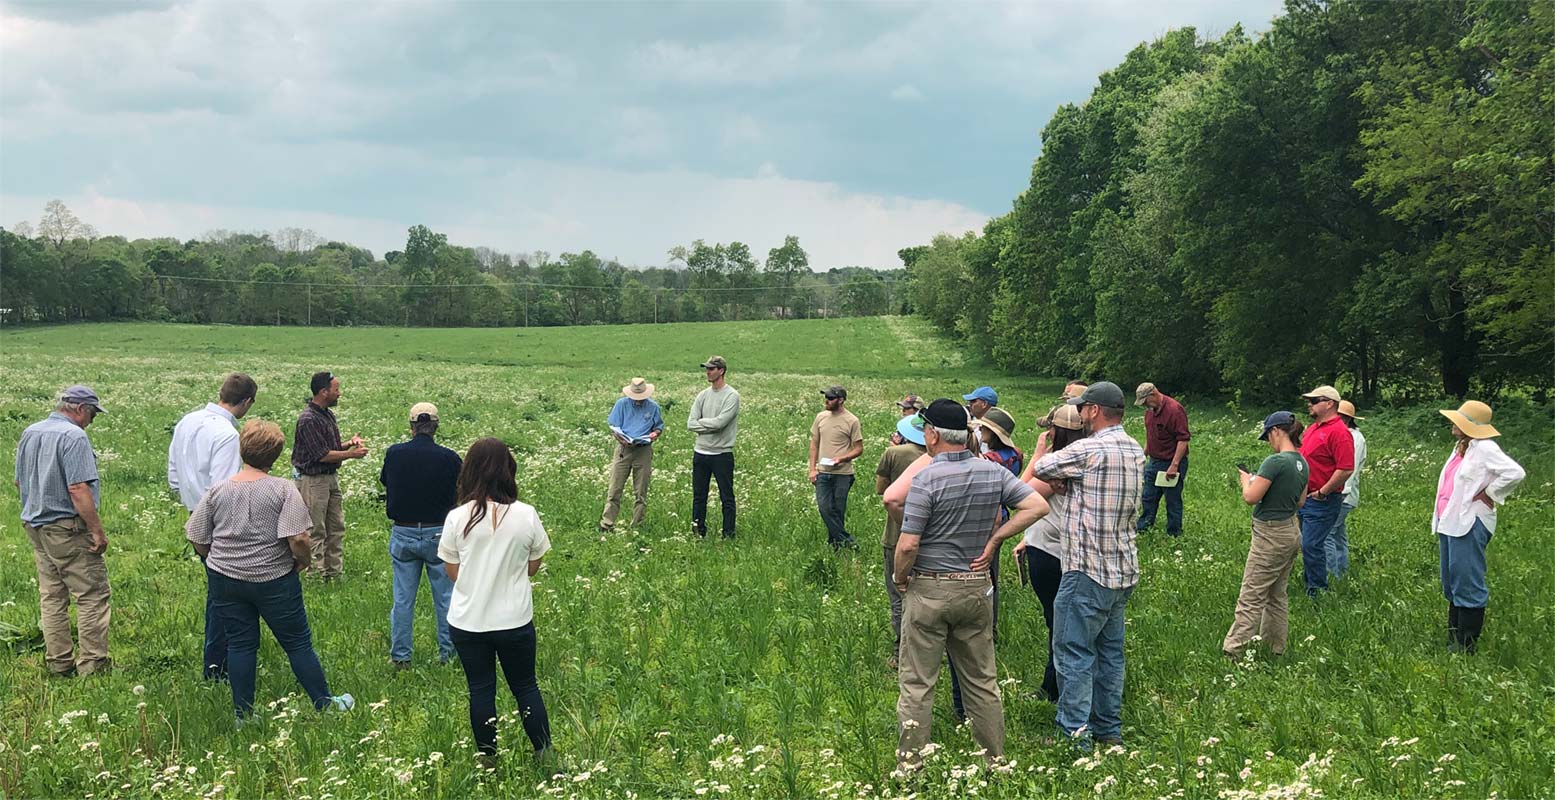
{"points": [[1104, 393], [946, 414]]}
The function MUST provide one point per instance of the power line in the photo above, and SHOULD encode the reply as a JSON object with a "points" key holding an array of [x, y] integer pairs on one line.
{"points": [[514, 284]]}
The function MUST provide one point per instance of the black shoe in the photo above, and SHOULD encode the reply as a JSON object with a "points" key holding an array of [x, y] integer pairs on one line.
{"points": [[1453, 616], [1471, 622]]}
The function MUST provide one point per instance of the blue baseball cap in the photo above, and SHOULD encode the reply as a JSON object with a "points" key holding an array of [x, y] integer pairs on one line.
{"points": [[1278, 418], [910, 431], [984, 393]]}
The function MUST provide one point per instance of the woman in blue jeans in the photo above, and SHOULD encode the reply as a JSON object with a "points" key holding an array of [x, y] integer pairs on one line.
{"points": [[491, 545], [252, 531], [1478, 477]]}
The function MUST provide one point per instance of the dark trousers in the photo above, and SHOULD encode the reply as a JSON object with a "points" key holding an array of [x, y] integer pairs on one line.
{"points": [[514, 648], [704, 467], [1150, 499], [831, 497], [1046, 571], [241, 604], [214, 657]]}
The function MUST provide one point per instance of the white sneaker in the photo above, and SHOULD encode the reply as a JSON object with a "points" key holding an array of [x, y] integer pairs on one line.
{"points": [[343, 702]]}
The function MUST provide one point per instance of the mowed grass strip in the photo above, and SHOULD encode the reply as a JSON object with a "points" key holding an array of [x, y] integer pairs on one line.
{"points": [[674, 667]]}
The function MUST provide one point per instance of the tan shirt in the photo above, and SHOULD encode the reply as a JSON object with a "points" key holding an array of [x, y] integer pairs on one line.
{"points": [[893, 462], [836, 434]]}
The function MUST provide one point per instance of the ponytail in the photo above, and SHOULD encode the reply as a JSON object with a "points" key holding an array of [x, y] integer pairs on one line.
{"points": [[1292, 431]]}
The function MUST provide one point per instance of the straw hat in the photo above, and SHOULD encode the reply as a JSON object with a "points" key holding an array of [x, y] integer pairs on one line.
{"points": [[1347, 408], [1473, 418], [1000, 424], [638, 389]]}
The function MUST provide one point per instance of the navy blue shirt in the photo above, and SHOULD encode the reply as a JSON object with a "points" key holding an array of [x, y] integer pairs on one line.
{"points": [[421, 477]]}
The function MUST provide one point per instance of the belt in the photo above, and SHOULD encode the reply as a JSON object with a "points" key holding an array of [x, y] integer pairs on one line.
{"points": [[399, 524], [952, 576]]}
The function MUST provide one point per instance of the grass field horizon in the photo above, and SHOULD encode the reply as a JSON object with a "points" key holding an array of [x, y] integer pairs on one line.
{"points": [[674, 667]]}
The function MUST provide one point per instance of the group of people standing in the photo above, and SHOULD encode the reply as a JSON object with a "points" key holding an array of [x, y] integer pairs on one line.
{"points": [[953, 482]]}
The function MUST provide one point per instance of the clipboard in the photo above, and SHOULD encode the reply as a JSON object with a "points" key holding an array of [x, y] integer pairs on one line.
{"points": [[1166, 483]]}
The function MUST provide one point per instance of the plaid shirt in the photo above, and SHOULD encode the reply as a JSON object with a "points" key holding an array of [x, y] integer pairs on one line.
{"points": [[316, 435], [1105, 471]]}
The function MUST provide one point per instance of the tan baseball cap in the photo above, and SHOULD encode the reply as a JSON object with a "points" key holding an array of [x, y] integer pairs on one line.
{"points": [[423, 408], [1324, 392], [1145, 390]]}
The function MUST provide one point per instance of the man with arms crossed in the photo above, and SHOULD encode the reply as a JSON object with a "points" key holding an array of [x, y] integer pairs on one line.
{"points": [[715, 419]]}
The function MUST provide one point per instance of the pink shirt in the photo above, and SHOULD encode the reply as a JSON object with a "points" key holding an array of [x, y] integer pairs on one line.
{"points": [[1444, 491]]}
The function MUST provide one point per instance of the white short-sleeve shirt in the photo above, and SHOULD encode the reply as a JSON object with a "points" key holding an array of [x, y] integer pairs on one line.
{"points": [[493, 591]]}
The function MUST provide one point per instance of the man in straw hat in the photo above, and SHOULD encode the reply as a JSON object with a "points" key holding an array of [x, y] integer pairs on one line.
{"points": [[1330, 453], [635, 422], [420, 481], [836, 439], [1337, 549], [1478, 477], [1166, 448]]}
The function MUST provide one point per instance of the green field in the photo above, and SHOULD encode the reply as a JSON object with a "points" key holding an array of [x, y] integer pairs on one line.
{"points": [[674, 667]]}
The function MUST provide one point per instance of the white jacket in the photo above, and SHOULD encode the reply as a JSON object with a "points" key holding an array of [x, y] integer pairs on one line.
{"points": [[1484, 469]]}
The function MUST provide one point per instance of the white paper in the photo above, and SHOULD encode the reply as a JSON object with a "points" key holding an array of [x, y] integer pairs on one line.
{"points": [[1163, 481], [827, 462]]}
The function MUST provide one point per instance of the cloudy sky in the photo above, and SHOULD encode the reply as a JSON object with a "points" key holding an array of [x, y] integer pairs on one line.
{"points": [[626, 128]]}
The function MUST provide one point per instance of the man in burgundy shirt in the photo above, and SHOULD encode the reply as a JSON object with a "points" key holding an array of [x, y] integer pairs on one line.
{"points": [[1330, 453], [317, 453], [1166, 451]]}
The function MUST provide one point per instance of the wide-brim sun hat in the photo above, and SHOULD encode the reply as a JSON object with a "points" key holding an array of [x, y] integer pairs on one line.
{"points": [[1347, 409], [1473, 418], [1000, 423], [638, 389], [909, 431]]}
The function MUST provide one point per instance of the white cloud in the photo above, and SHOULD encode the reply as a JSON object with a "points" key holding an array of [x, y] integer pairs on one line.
{"points": [[633, 216]]}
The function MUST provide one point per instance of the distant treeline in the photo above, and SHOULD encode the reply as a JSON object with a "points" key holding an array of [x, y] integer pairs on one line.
{"points": [[62, 271], [1364, 195]]}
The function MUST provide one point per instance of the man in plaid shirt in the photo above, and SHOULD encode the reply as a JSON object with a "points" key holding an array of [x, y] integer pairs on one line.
{"points": [[1101, 565]]}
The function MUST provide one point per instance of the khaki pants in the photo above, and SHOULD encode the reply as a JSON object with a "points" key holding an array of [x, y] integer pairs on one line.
{"points": [[321, 493], [637, 461], [940, 615], [1263, 607], [67, 569]]}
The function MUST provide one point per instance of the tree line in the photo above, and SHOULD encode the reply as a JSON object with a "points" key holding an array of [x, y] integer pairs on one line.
{"points": [[1365, 194], [61, 270]]}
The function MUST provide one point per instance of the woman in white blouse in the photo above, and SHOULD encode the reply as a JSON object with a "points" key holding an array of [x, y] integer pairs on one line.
{"points": [[491, 545], [1477, 478]]}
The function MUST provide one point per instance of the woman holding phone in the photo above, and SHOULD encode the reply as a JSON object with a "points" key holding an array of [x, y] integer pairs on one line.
{"points": [[1275, 492], [491, 545]]}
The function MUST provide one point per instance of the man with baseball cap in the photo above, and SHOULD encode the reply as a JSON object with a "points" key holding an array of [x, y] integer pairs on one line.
{"points": [[909, 406], [1100, 562], [420, 480], [715, 419], [836, 439], [942, 569], [981, 399], [1329, 450], [1166, 446], [56, 473], [635, 423]]}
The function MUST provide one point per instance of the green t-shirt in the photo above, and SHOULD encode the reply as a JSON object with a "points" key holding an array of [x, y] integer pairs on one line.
{"points": [[1287, 476]]}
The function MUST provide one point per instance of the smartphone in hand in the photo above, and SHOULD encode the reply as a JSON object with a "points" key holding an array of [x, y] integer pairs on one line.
{"points": [[1242, 466]]}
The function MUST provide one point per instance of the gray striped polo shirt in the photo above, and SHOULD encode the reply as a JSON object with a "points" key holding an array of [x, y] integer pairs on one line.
{"points": [[53, 455]]}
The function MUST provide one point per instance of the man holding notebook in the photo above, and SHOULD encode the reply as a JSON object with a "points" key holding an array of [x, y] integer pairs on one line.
{"points": [[635, 424], [1166, 450]]}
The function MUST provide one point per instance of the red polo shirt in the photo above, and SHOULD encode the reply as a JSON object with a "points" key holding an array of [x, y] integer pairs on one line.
{"points": [[1164, 428], [1327, 447]]}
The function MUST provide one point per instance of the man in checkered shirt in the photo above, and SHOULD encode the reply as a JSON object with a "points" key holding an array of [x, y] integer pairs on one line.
{"points": [[1104, 476]]}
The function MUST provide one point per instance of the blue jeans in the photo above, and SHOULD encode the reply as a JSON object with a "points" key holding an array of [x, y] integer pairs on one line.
{"points": [[1463, 567], [241, 605], [1317, 519], [831, 497], [410, 551], [1150, 500], [514, 649], [1336, 550], [1088, 644], [214, 656]]}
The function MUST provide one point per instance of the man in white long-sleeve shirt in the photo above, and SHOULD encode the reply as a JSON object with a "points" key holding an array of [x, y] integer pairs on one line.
{"points": [[715, 419], [204, 453]]}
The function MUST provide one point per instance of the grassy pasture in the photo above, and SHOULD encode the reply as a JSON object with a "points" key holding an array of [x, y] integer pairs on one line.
{"points": [[674, 667]]}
